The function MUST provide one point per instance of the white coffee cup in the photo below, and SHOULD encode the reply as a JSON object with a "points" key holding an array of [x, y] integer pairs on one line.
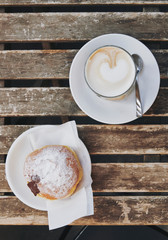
{"points": [[110, 72]]}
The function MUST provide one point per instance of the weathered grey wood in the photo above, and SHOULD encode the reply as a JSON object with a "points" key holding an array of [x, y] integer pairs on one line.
{"points": [[1, 48], [1, 83], [130, 177], [128, 211], [160, 105], [162, 57], [40, 64], [81, 26], [120, 177], [77, 2], [4, 187], [37, 102], [107, 211], [50, 64], [107, 139], [138, 139], [55, 83]]}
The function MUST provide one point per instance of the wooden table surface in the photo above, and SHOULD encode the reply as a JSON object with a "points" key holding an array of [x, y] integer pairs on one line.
{"points": [[38, 40]]}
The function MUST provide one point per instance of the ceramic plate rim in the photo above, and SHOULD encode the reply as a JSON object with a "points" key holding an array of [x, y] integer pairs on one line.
{"points": [[8, 162]]}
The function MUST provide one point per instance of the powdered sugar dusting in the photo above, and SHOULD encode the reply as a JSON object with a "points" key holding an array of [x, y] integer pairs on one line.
{"points": [[54, 168]]}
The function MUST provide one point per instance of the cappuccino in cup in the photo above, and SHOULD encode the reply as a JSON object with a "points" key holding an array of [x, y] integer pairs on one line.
{"points": [[110, 72]]}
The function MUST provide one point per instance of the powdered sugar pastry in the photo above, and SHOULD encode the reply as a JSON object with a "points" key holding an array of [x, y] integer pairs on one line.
{"points": [[53, 169]]}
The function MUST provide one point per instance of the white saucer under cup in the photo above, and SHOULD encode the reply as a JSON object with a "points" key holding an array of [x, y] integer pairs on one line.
{"points": [[115, 111]]}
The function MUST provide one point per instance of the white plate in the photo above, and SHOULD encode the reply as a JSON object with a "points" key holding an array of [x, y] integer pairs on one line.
{"points": [[116, 111], [14, 170]]}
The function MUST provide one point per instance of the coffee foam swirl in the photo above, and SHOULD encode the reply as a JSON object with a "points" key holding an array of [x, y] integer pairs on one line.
{"points": [[110, 55], [110, 71]]}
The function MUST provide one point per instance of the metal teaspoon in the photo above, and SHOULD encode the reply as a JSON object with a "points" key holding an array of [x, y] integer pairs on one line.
{"points": [[139, 65]]}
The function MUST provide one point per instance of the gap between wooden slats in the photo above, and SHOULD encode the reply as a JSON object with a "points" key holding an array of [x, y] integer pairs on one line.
{"points": [[50, 64], [106, 139], [151, 8], [120, 177], [109, 210], [77, 2], [37, 102], [81, 26]]}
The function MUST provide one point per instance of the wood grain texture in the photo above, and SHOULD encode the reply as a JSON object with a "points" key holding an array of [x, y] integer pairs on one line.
{"points": [[4, 187], [81, 26], [51, 64], [106, 139], [107, 211], [38, 101], [56, 83], [160, 105], [56, 101], [120, 177], [77, 2], [113, 139], [44, 64], [161, 58], [130, 177]]}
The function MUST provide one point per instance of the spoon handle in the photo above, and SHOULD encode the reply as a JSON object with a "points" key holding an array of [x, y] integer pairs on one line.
{"points": [[139, 111]]}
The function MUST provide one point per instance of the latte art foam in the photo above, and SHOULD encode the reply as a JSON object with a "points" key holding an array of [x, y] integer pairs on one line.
{"points": [[110, 71]]}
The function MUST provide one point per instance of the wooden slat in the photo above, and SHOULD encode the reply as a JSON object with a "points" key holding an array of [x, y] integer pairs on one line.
{"points": [[77, 2], [107, 211], [37, 102], [120, 177], [161, 58], [4, 187], [160, 106], [51, 64], [107, 139], [81, 26], [138, 139], [130, 177], [44, 64]]}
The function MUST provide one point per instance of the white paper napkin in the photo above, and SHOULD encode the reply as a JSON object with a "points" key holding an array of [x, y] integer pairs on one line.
{"points": [[80, 204]]}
